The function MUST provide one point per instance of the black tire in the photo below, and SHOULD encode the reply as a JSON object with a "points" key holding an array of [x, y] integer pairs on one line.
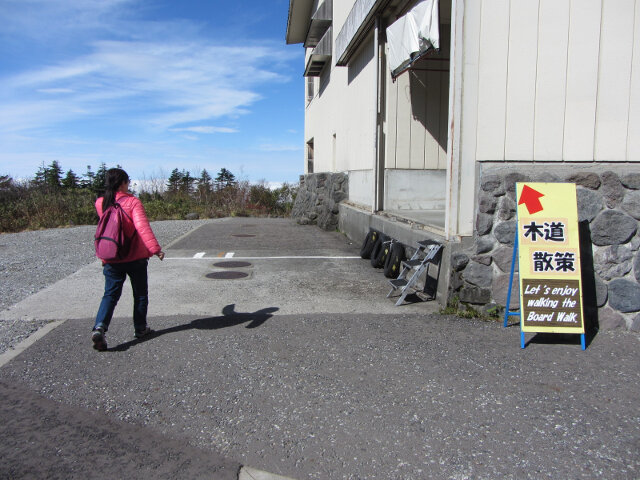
{"points": [[394, 261], [384, 253], [368, 244], [377, 259]]}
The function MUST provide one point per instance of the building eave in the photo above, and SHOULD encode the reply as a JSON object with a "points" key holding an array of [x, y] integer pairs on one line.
{"points": [[298, 20]]}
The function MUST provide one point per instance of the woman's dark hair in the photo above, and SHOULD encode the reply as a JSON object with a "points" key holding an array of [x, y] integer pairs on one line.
{"points": [[114, 178]]}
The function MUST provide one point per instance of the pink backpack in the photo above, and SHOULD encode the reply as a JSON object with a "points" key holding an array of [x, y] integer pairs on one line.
{"points": [[111, 241]]}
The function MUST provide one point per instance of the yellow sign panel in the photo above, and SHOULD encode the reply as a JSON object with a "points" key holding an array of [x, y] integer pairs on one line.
{"points": [[549, 258]]}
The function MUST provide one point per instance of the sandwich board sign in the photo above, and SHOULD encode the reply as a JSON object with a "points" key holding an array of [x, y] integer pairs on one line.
{"points": [[548, 247]]}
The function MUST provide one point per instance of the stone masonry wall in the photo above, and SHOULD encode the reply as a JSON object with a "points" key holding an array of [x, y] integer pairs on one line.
{"points": [[609, 214], [318, 198]]}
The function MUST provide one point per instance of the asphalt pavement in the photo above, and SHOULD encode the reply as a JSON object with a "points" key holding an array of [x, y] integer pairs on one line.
{"points": [[292, 361]]}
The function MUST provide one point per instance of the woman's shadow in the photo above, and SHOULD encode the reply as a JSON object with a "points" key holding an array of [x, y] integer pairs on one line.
{"points": [[229, 318]]}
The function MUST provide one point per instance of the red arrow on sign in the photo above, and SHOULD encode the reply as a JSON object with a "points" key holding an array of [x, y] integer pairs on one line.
{"points": [[531, 199]]}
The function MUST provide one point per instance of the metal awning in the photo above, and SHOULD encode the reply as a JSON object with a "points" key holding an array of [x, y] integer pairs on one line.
{"points": [[320, 22], [320, 56], [358, 23], [413, 35]]}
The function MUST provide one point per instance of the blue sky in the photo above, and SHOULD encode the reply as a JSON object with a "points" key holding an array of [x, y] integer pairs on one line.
{"points": [[151, 85]]}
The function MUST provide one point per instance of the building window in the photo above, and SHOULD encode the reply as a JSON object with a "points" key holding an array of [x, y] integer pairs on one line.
{"points": [[310, 156], [310, 89]]}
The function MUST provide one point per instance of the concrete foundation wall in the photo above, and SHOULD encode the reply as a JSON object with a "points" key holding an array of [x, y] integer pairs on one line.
{"points": [[414, 189]]}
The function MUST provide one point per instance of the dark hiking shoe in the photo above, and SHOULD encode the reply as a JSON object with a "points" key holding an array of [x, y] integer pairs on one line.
{"points": [[99, 340], [143, 333]]}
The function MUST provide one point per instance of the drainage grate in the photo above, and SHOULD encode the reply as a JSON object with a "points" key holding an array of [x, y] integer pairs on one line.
{"points": [[228, 275], [242, 235], [232, 264]]}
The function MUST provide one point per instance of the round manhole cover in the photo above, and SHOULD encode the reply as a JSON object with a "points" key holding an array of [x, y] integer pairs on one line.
{"points": [[236, 264], [242, 235], [227, 275]]}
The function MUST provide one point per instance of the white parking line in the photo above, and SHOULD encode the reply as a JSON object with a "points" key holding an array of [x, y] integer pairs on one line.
{"points": [[300, 257], [199, 255], [16, 350], [229, 255]]}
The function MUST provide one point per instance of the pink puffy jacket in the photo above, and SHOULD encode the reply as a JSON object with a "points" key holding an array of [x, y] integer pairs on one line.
{"points": [[144, 244]]}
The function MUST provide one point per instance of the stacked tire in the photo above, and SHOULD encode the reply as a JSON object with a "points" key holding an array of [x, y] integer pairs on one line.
{"points": [[368, 244], [383, 252], [394, 260], [380, 251]]}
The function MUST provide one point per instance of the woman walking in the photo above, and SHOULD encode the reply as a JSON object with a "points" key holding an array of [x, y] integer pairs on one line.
{"points": [[134, 265]]}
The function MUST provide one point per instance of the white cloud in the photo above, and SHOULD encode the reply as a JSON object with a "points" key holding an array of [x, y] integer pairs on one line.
{"points": [[52, 19], [52, 74], [206, 129], [54, 91], [162, 80]]}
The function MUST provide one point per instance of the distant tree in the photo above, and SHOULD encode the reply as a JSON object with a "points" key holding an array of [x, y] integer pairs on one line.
{"points": [[53, 175], [203, 186], [285, 197], [261, 196], [287, 193], [186, 183], [205, 181], [89, 178], [225, 179], [5, 182], [174, 181], [40, 178], [48, 177], [100, 180], [71, 181], [8, 188]]}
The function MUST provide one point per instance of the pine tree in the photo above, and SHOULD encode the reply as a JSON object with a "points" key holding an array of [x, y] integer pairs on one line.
{"points": [[71, 181], [186, 183], [99, 184], [40, 177], [225, 179], [53, 175], [89, 177], [174, 181], [203, 185], [8, 188]]}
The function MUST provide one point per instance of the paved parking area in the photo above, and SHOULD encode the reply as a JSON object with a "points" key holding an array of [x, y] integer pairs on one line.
{"points": [[295, 268], [303, 368]]}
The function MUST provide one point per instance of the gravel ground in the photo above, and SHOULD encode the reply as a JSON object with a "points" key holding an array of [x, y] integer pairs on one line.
{"points": [[46, 439], [352, 396], [31, 261], [339, 395]]}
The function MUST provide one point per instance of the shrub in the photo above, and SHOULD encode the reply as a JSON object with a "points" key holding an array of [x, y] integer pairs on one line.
{"points": [[35, 205]]}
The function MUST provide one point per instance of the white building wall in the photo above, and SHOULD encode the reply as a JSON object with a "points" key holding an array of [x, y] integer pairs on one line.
{"points": [[557, 80], [344, 106], [341, 117]]}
